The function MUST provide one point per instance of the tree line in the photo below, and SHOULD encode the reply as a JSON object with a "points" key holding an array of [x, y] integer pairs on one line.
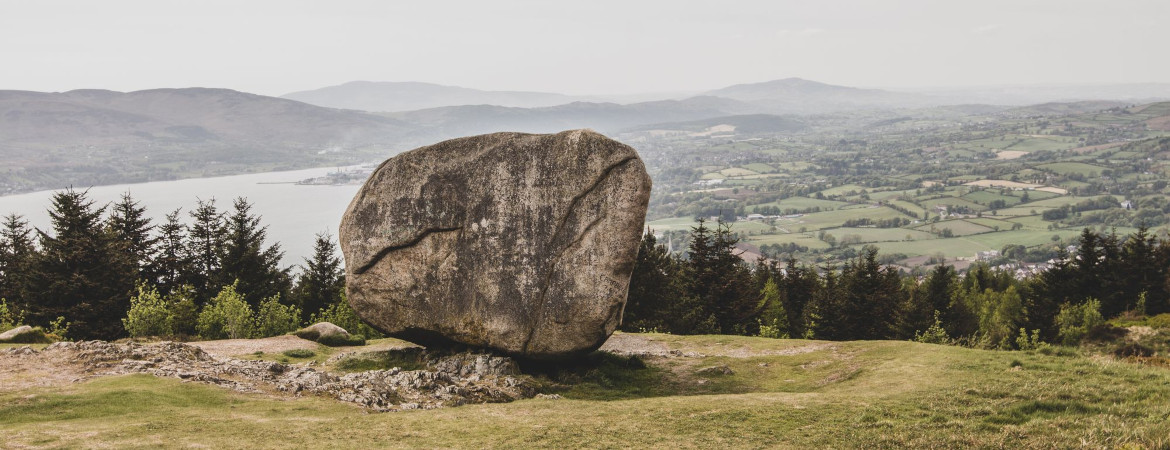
{"points": [[107, 272], [709, 289], [84, 273]]}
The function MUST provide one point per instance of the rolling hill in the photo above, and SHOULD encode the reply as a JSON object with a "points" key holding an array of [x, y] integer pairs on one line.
{"points": [[386, 96], [800, 96], [89, 137]]}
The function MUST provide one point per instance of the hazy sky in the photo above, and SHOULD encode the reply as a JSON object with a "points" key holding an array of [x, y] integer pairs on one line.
{"points": [[579, 47]]}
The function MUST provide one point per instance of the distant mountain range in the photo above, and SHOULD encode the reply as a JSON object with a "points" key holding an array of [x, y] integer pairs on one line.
{"points": [[189, 116], [92, 137], [800, 96], [385, 96], [89, 137]]}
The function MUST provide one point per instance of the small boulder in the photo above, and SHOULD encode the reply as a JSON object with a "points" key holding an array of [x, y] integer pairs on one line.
{"points": [[328, 334], [24, 334]]}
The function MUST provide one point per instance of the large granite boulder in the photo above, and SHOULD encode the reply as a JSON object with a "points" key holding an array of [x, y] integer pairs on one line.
{"points": [[519, 242]]}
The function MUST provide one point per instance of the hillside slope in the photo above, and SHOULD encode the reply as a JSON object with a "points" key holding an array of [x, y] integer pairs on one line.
{"points": [[659, 391], [84, 137]]}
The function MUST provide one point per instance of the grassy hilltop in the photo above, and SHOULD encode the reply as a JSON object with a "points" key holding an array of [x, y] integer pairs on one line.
{"points": [[781, 393]]}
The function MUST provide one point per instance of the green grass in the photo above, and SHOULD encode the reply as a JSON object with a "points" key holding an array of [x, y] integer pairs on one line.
{"points": [[951, 247], [737, 172], [805, 239], [913, 207], [1031, 222], [1065, 168], [844, 189], [986, 197], [951, 201], [832, 219], [1026, 238], [957, 227], [881, 234], [759, 167], [800, 203], [790, 393], [991, 222]]}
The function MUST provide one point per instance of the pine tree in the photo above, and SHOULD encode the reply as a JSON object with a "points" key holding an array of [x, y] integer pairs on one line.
{"points": [[720, 280], [872, 298], [655, 291], [797, 288], [17, 255], [244, 259], [173, 262], [82, 273], [322, 280], [205, 240], [132, 232]]}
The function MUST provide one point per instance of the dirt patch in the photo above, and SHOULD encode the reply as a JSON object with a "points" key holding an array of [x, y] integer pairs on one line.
{"points": [[1138, 333], [639, 345], [632, 345], [1009, 154], [240, 347], [1160, 123]]}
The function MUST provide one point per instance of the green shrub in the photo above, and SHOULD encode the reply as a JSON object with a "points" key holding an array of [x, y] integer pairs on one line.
{"points": [[184, 315], [1025, 342], [936, 334], [299, 353], [338, 340], [10, 317], [1159, 321], [58, 329], [342, 315], [148, 314], [1000, 314], [275, 319], [227, 316], [1074, 321], [1133, 349], [774, 323]]}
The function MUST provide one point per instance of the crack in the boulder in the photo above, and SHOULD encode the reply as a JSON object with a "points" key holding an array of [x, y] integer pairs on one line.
{"points": [[540, 303], [596, 182], [387, 250]]}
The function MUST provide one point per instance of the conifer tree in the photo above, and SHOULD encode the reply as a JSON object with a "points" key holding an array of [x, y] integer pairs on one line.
{"points": [[82, 274], [132, 233], [17, 255], [246, 261], [322, 280], [205, 240], [655, 289], [173, 262], [872, 297], [720, 280]]}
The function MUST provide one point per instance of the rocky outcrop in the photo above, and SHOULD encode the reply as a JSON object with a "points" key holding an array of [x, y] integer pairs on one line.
{"points": [[452, 381], [518, 242]]}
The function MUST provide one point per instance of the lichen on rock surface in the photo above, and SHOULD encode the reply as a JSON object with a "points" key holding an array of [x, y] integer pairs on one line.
{"points": [[519, 242]]}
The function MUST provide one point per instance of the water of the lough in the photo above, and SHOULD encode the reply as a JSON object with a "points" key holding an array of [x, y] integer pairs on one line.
{"points": [[293, 213]]}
